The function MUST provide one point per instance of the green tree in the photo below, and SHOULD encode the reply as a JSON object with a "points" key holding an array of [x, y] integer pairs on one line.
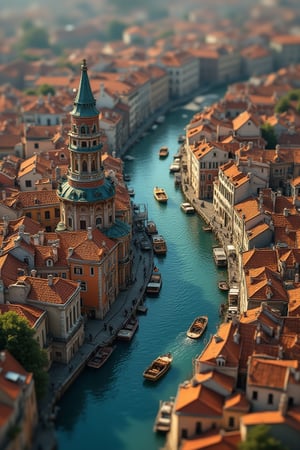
{"points": [[46, 89], [282, 105], [17, 337], [268, 133], [259, 438]]}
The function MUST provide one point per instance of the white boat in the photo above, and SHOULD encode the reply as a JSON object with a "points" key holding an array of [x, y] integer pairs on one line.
{"points": [[174, 167], [130, 191], [187, 208], [163, 418], [128, 158], [220, 257]]}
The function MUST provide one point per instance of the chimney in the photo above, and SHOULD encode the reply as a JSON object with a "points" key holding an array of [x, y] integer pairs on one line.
{"points": [[236, 336], [42, 237], [50, 280], [54, 251], [33, 272], [89, 233], [283, 404], [70, 251], [280, 352]]}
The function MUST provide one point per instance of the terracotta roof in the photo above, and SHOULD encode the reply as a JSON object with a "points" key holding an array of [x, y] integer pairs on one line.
{"points": [[197, 399], [59, 292], [213, 440], [30, 313]]}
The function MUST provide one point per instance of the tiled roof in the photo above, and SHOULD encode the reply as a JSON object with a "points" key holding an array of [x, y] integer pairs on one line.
{"points": [[213, 440], [197, 399], [30, 313], [237, 402], [270, 373], [59, 292], [291, 418]]}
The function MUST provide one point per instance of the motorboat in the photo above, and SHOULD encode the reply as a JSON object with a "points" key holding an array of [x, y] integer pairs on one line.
{"points": [[155, 283], [163, 152], [223, 285], [160, 194], [159, 244], [127, 332], [197, 327], [187, 208], [220, 256], [158, 367], [100, 357], [151, 227], [162, 421]]}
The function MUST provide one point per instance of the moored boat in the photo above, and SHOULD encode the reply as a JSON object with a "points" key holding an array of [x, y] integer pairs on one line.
{"points": [[159, 244], [197, 327], [223, 285], [155, 283], [187, 208], [100, 357], [158, 367], [160, 194], [163, 152], [207, 228], [220, 256], [162, 421], [174, 167], [151, 227], [127, 332]]}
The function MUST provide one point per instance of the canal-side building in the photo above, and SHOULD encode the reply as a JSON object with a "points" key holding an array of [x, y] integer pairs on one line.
{"points": [[19, 412]]}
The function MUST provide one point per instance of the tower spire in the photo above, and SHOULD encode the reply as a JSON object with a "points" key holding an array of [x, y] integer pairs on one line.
{"points": [[84, 103]]}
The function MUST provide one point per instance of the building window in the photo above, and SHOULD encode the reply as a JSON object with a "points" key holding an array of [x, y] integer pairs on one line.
{"points": [[231, 422], [98, 222], [82, 224], [49, 263], [254, 395], [198, 427], [28, 183], [70, 222], [57, 212], [91, 270], [291, 401], [184, 433], [28, 214], [47, 214], [64, 275], [48, 229], [78, 270], [36, 145], [84, 166], [83, 286], [83, 144], [270, 399]]}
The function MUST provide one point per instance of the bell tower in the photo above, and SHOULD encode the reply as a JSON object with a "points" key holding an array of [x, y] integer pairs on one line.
{"points": [[87, 197]]}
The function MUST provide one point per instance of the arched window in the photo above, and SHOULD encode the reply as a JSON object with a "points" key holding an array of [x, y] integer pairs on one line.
{"points": [[82, 129], [84, 166], [49, 263], [98, 222], [93, 166]]}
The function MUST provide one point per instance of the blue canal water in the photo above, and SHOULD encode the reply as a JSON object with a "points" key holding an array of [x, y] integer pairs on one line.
{"points": [[114, 408]]}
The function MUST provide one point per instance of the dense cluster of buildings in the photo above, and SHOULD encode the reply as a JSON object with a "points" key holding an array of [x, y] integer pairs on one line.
{"points": [[67, 219]]}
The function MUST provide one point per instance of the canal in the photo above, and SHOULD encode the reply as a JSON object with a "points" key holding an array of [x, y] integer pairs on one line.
{"points": [[114, 408]]}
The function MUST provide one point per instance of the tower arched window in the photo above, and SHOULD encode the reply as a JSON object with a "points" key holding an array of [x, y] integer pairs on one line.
{"points": [[93, 166], [84, 166], [82, 129], [94, 128], [98, 222]]}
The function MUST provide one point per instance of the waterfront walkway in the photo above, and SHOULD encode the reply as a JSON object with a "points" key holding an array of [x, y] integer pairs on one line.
{"points": [[97, 332]]}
